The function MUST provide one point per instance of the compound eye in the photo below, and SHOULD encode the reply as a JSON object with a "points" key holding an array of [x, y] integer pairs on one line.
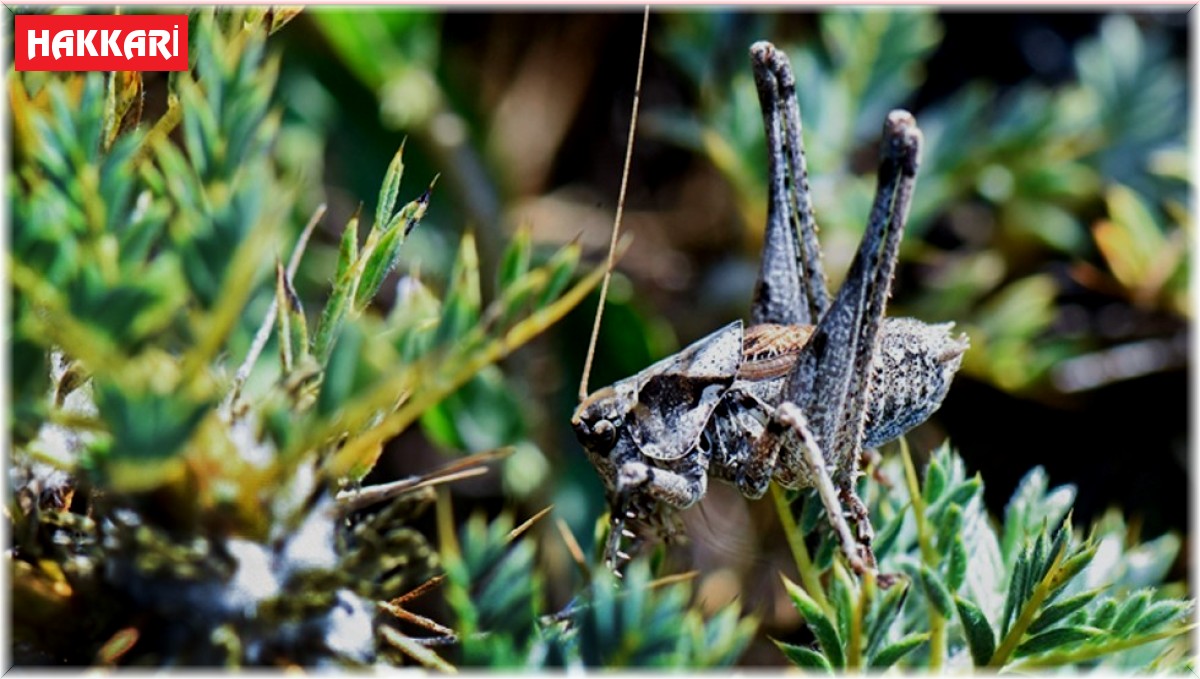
{"points": [[605, 434], [598, 438]]}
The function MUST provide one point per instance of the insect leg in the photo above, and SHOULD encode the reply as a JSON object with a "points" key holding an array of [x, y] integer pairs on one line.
{"points": [[791, 285], [829, 379], [902, 140], [790, 415]]}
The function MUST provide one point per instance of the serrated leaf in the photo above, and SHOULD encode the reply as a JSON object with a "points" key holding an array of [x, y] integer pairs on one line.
{"points": [[937, 593], [981, 639], [1105, 613], [1130, 612], [803, 657], [1158, 614], [1012, 603], [894, 652], [822, 628], [1056, 639], [390, 189], [1053, 614]]}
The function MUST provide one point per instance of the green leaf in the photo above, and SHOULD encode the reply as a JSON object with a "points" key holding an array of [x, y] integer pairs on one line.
{"points": [[460, 310], [822, 628], [293, 328], [811, 513], [886, 538], [347, 249], [1016, 588], [1131, 612], [893, 653], [390, 189], [561, 266], [1053, 614], [889, 608], [515, 262], [1158, 614], [949, 529], [1072, 566], [937, 593], [1105, 614], [804, 657], [1056, 638], [935, 482], [956, 566], [981, 639], [383, 257], [841, 597]]}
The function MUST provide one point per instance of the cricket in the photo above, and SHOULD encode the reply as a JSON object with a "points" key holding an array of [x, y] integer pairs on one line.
{"points": [[800, 391]]}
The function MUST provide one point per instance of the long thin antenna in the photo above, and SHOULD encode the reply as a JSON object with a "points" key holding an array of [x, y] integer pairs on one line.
{"points": [[612, 246]]}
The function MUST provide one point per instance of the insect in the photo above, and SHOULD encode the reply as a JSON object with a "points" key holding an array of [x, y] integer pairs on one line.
{"points": [[798, 393]]}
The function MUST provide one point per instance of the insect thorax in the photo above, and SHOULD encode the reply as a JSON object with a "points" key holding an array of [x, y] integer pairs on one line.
{"points": [[910, 374]]}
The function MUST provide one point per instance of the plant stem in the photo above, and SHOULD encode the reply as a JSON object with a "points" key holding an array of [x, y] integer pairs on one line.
{"points": [[808, 574], [1092, 652], [854, 646], [937, 623]]}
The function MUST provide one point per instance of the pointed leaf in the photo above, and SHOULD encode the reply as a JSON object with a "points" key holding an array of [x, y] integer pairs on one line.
{"points": [[515, 262], [1053, 614], [460, 309], [889, 607], [937, 593], [935, 482], [1159, 613], [822, 628], [804, 657], [981, 639], [390, 189], [1131, 611], [560, 266], [386, 254], [1056, 638], [347, 248], [956, 565], [893, 653]]}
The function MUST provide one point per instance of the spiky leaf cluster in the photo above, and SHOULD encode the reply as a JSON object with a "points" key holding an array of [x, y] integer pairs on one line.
{"points": [[166, 509], [611, 622], [1029, 594]]}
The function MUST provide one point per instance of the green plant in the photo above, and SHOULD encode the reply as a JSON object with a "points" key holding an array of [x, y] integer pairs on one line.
{"points": [[1028, 594], [630, 622], [167, 509]]}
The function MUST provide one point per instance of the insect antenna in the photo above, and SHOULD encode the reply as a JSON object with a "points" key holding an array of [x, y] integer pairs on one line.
{"points": [[612, 246]]}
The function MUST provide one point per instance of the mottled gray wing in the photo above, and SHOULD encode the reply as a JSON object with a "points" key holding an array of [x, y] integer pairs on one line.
{"points": [[677, 396]]}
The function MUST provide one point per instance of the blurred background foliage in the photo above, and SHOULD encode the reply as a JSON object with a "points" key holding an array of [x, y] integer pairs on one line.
{"points": [[1052, 223]]}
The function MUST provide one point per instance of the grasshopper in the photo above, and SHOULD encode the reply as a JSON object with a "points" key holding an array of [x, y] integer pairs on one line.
{"points": [[796, 395]]}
